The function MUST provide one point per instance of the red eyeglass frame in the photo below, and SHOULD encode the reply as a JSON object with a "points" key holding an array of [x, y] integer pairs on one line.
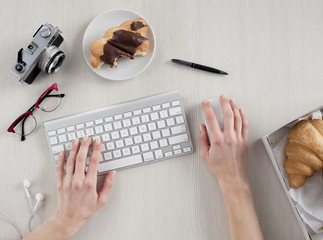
{"points": [[29, 112]]}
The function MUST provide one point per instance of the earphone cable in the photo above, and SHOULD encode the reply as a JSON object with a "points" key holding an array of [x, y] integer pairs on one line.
{"points": [[12, 223]]}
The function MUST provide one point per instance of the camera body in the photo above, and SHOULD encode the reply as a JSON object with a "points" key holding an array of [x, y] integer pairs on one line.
{"points": [[41, 54]]}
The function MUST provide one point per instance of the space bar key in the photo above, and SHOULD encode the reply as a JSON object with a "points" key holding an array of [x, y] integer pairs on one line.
{"points": [[119, 163]]}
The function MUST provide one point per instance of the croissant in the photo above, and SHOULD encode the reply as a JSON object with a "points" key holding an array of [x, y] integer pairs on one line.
{"points": [[304, 151]]}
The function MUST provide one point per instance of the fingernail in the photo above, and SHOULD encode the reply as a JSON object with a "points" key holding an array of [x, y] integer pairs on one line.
{"points": [[85, 138], [200, 127], [233, 101], [241, 109], [205, 101], [61, 153], [98, 141], [113, 173], [76, 142]]}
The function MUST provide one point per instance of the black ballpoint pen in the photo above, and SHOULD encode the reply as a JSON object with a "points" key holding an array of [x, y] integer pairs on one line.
{"points": [[198, 66]]}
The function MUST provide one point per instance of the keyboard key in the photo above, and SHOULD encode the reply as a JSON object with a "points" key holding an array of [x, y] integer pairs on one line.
{"points": [[179, 119], [89, 131], [126, 151], [142, 128], [56, 158], [165, 105], [165, 132], [108, 127], [115, 135], [135, 149], [144, 147], [135, 120], [138, 139], [163, 114], [68, 146], [176, 147], [156, 135], [53, 140], [61, 130], [57, 149], [119, 143], [108, 119], [161, 124], [170, 122], [116, 153], [147, 137], [124, 133], [117, 125], [123, 162], [178, 139], [148, 156], [144, 118], [98, 129], [187, 149], [89, 124], [178, 129], [154, 116], [163, 143], [51, 133], [127, 114], [70, 128], [175, 103], [156, 107], [71, 136], [99, 121], [168, 154], [126, 123], [106, 137], [179, 151], [128, 141], [133, 131], [107, 156], [152, 126], [110, 146], [147, 110], [117, 117], [153, 145], [80, 126], [137, 112], [62, 138], [159, 154], [175, 111]]}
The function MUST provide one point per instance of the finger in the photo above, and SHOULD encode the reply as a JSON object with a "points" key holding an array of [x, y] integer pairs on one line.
{"points": [[204, 142], [94, 160], [211, 121], [105, 188], [81, 157], [245, 125], [60, 168], [237, 117], [70, 165], [228, 120]]}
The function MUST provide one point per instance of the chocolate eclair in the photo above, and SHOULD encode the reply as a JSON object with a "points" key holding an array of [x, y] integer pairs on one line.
{"points": [[127, 40]]}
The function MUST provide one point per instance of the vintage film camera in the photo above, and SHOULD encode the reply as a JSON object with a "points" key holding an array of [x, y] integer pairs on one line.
{"points": [[42, 54]]}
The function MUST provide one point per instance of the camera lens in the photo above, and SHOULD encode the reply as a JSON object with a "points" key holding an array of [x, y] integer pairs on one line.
{"points": [[51, 60]]}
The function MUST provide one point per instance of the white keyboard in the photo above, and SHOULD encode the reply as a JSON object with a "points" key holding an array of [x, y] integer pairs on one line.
{"points": [[133, 133]]}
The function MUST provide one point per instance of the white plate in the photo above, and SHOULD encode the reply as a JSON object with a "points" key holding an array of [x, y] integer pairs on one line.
{"points": [[126, 68]]}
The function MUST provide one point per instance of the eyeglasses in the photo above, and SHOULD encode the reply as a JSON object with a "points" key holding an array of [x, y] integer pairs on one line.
{"points": [[47, 102]]}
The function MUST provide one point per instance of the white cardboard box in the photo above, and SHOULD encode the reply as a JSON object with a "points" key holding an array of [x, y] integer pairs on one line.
{"points": [[270, 141]]}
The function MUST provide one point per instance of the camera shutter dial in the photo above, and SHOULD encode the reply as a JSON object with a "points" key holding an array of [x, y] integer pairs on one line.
{"points": [[45, 32]]}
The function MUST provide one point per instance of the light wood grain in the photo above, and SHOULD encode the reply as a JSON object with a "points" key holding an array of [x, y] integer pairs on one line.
{"points": [[273, 52]]}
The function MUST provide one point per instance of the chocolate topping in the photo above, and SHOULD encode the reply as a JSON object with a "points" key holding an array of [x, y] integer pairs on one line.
{"points": [[123, 43], [137, 25]]}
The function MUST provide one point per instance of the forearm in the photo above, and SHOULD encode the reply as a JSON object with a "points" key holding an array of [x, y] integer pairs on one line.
{"points": [[241, 211], [51, 229]]}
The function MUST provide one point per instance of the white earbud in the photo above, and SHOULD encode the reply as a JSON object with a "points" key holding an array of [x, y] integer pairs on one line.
{"points": [[26, 186], [39, 197]]}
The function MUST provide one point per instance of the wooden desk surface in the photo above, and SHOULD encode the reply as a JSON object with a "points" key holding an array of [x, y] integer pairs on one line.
{"points": [[273, 52]]}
